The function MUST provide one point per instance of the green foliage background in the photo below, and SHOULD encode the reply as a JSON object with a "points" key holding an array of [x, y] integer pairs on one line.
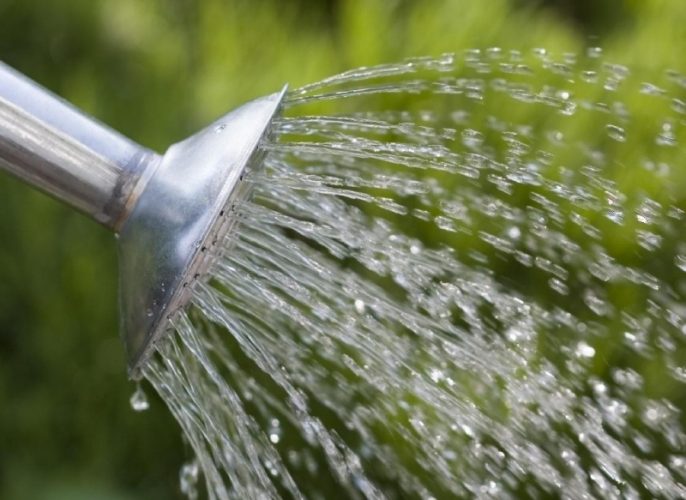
{"points": [[157, 70]]}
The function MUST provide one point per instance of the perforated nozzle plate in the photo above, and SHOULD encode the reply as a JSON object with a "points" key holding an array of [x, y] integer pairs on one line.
{"points": [[166, 243]]}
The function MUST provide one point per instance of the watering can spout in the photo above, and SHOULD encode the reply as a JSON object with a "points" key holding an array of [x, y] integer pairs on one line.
{"points": [[187, 207], [170, 211]]}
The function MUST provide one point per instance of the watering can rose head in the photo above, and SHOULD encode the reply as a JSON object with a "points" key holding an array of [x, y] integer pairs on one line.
{"points": [[169, 211]]}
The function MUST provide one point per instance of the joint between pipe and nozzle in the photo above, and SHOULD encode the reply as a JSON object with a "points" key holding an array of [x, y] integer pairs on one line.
{"points": [[58, 149]]}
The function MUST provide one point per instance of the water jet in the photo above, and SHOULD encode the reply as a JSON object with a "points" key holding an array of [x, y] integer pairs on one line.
{"points": [[483, 298]]}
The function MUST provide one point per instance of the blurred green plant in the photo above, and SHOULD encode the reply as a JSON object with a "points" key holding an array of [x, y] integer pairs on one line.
{"points": [[157, 71]]}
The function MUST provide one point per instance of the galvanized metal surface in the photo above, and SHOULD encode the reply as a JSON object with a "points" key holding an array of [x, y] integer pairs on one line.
{"points": [[167, 242], [169, 210], [55, 147]]}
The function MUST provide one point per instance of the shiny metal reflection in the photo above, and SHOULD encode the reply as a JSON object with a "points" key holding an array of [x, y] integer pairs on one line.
{"points": [[185, 209], [169, 210]]}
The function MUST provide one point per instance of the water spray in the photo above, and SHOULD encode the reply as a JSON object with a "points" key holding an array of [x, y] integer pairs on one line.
{"points": [[168, 211], [448, 302]]}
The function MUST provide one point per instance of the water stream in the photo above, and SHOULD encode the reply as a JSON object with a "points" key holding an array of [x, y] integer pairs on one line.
{"points": [[461, 276]]}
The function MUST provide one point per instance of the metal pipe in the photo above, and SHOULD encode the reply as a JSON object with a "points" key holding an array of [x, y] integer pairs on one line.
{"points": [[55, 147]]}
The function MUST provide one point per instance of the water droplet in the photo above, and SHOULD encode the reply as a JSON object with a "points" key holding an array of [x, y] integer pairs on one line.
{"points": [[583, 350], [514, 232], [616, 132], [559, 286], [188, 479], [360, 306], [589, 76], [599, 388], [679, 106], [445, 223], [616, 216], [274, 438], [139, 400], [494, 52], [568, 108], [648, 211], [436, 375], [460, 117], [594, 52], [472, 138], [220, 128], [445, 63], [595, 303], [649, 241], [555, 136], [468, 430], [650, 89], [666, 136], [653, 414], [514, 334], [540, 52]]}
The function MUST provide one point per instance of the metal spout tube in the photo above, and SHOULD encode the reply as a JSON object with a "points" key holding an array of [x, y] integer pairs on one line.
{"points": [[53, 146]]}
